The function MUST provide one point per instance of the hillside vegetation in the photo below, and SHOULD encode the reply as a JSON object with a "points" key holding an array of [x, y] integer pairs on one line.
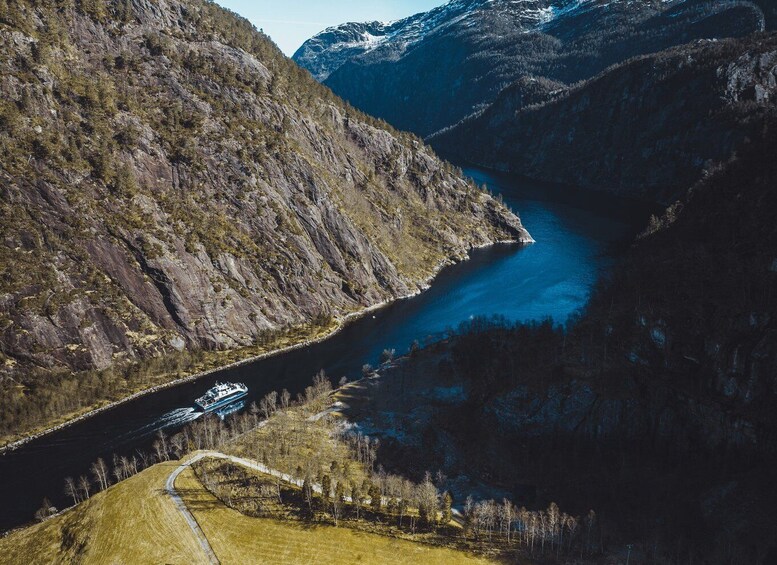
{"points": [[172, 185], [647, 128]]}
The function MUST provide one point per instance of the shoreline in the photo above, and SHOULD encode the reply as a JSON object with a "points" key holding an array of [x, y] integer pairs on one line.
{"points": [[341, 323]]}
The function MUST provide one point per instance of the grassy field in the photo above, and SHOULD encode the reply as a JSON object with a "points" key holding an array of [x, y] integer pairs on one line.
{"points": [[236, 538], [136, 522]]}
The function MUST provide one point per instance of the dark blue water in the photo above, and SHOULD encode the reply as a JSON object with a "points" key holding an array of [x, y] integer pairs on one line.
{"points": [[551, 278]]}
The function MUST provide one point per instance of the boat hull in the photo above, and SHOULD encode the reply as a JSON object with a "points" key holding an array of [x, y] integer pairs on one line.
{"points": [[221, 403]]}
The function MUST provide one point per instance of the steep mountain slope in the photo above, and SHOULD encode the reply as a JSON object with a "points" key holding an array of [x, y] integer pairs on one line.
{"points": [[170, 181], [429, 71], [647, 128]]}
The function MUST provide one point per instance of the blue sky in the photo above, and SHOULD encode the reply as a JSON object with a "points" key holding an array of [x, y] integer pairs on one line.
{"points": [[291, 22]]}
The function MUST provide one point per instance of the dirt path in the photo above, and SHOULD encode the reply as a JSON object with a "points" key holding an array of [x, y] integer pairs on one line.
{"points": [[181, 505], [189, 517]]}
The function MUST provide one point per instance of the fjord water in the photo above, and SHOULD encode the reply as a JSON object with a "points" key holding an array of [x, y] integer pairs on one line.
{"points": [[551, 278]]}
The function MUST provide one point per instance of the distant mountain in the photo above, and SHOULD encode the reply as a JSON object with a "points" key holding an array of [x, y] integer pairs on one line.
{"points": [[431, 70], [171, 181], [647, 128]]}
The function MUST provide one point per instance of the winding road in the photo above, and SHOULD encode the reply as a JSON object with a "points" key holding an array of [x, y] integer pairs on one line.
{"points": [[181, 505], [189, 517]]}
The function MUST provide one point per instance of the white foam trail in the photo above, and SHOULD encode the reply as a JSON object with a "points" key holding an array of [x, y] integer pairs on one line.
{"points": [[177, 417]]}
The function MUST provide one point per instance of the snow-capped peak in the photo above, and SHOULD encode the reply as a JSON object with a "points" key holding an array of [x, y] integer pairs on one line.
{"points": [[327, 51]]}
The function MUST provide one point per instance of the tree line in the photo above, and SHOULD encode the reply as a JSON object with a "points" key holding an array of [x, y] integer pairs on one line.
{"points": [[335, 492]]}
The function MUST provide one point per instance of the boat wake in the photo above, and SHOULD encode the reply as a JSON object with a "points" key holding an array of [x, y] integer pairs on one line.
{"points": [[177, 417], [173, 419]]}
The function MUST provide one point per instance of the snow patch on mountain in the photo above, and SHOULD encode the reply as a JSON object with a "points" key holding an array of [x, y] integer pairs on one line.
{"points": [[327, 51]]}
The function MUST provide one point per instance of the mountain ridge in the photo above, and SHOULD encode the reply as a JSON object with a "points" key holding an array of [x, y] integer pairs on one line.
{"points": [[477, 48], [647, 128]]}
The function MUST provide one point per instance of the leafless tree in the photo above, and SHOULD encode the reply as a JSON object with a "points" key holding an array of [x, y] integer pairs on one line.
{"points": [[71, 490], [356, 498], [84, 486], [132, 465], [118, 472], [143, 458], [160, 446], [428, 500], [507, 517], [264, 407], [100, 473], [126, 467], [387, 356], [285, 399], [272, 400], [338, 500], [177, 443]]}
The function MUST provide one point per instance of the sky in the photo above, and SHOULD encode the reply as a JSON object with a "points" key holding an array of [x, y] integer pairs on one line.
{"points": [[290, 22]]}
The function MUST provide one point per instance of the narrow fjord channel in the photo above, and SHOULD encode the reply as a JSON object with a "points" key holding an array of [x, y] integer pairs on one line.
{"points": [[552, 278]]}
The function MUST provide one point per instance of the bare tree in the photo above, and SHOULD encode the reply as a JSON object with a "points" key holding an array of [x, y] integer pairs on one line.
{"points": [[307, 492], [356, 498], [177, 443], [160, 446], [428, 500], [338, 500], [285, 399], [117, 470], [387, 356], [507, 516], [144, 458], [272, 400], [132, 465], [264, 406], [71, 490], [84, 486], [100, 473], [572, 524], [126, 467]]}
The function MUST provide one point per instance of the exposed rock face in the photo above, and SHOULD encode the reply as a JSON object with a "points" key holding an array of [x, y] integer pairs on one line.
{"points": [[647, 128], [169, 180], [429, 71]]}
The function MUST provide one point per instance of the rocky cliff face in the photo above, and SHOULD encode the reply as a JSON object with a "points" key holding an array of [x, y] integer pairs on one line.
{"points": [[647, 128], [169, 180], [430, 71]]}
